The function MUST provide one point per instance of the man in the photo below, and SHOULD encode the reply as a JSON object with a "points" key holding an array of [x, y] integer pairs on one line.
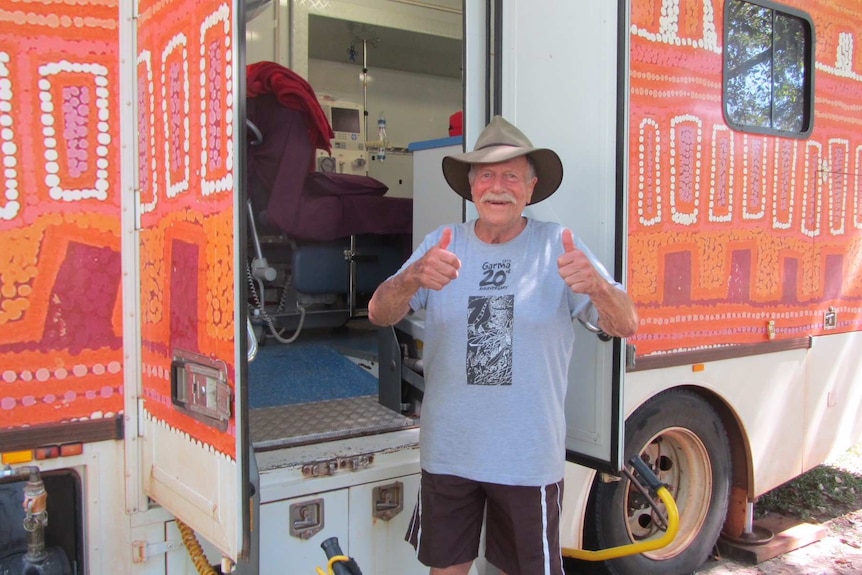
{"points": [[500, 293]]}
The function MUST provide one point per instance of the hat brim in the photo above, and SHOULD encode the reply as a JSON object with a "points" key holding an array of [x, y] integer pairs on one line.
{"points": [[549, 168]]}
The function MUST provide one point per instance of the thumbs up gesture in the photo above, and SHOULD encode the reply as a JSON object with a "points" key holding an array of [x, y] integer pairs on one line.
{"points": [[438, 266], [576, 269]]}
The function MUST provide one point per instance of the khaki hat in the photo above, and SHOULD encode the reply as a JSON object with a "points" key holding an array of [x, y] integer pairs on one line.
{"points": [[501, 141]]}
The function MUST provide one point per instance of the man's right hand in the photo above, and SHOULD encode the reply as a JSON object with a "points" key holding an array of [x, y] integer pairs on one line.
{"points": [[438, 266], [434, 270]]}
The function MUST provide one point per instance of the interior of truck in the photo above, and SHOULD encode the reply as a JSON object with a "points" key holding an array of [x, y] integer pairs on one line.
{"points": [[323, 233]]}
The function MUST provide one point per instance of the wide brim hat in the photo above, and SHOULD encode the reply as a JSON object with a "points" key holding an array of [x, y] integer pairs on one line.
{"points": [[501, 141]]}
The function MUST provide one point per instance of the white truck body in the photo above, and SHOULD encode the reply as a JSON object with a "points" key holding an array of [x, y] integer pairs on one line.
{"points": [[590, 80]]}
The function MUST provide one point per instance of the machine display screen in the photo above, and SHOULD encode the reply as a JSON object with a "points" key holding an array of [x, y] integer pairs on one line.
{"points": [[345, 120]]}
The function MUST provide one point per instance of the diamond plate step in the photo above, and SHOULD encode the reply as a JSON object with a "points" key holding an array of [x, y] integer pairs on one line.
{"points": [[304, 423]]}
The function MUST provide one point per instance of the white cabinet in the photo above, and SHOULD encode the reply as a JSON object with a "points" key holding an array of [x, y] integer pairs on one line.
{"points": [[376, 543], [282, 551], [356, 516]]}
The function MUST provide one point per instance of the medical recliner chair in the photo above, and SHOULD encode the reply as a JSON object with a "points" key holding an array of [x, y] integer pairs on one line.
{"points": [[320, 242]]}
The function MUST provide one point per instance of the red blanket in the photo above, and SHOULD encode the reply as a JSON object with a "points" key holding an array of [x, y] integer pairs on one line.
{"points": [[294, 92]]}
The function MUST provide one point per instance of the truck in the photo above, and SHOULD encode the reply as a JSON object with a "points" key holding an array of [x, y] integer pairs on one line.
{"points": [[712, 157]]}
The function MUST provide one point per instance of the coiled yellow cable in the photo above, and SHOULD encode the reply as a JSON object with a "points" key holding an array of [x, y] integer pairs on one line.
{"points": [[194, 548], [196, 553]]}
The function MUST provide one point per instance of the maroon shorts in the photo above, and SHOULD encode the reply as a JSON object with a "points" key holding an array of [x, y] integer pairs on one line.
{"points": [[522, 531]]}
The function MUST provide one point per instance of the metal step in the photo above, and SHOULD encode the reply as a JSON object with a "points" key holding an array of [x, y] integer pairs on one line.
{"points": [[305, 423]]}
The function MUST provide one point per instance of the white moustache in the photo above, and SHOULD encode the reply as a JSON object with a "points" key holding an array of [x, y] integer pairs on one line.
{"points": [[498, 198]]}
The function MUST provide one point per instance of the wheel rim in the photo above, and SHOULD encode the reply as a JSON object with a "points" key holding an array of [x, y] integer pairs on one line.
{"points": [[680, 460]]}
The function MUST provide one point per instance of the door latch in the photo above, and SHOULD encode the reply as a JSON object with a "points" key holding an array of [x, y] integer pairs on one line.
{"points": [[387, 500], [306, 518]]}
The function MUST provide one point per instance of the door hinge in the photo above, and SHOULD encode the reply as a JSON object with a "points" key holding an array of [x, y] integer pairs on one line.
{"points": [[141, 550], [631, 355], [141, 416], [137, 204], [332, 466]]}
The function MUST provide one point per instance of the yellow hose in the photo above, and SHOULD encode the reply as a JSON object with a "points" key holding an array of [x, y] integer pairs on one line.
{"points": [[635, 548], [202, 564], [332, 561], [194, 548]]}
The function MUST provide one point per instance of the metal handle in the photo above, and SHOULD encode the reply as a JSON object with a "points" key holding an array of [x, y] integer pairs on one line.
{"points": [[258, 137], [252, 341], [595, 329]]}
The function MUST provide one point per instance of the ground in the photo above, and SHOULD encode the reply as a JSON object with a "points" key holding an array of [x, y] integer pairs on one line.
{"points": [[829, 495]]}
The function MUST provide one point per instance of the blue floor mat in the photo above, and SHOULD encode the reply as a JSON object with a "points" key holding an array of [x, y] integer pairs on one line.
{"points": [[302, 373]]}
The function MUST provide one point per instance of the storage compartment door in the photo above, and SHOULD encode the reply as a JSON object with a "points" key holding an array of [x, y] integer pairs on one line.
{"points": [[557, 79], [192, 424]]}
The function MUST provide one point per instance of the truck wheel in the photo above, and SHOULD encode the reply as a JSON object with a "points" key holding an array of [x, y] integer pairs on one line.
{"points": [[682, 439]]}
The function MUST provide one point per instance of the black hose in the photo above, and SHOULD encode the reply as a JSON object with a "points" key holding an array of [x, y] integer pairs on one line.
{"points": [[332, 548], [646, 473]]}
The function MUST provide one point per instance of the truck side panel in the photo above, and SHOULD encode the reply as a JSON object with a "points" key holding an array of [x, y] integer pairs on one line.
{"points": [[60, 285], [731, 231]]}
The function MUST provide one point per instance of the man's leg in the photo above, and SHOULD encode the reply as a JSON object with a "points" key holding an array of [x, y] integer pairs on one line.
{"points": [[461, 569], [447, 523], [523, 528]]}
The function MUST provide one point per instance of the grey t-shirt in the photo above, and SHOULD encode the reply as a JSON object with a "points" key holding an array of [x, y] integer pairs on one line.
{"points": [[497, 350]]}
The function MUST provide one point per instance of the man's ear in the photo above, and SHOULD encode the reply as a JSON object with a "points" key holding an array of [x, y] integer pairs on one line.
{"points": [[532, 188]]}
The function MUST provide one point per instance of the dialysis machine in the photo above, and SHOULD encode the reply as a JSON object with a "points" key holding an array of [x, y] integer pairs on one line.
{"points": [[353, 153], [349, 153]]}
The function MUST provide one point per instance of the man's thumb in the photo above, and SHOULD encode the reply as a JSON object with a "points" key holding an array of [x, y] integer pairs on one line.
{"points": [[445, 239], [568, 240]]}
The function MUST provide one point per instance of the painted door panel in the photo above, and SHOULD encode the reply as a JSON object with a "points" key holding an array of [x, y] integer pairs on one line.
{"points": [[188, 78]]}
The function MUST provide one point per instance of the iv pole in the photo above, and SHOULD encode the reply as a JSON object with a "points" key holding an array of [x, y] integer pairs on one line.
{"points": [[366, 37], [352, 256]]}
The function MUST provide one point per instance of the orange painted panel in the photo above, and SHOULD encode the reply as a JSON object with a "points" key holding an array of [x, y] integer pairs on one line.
{"points": [[729, 231], [60, 285], [186, 171]]}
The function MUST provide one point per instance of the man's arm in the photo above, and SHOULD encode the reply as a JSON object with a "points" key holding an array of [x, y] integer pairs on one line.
{"points": [[391, 300], [617, 315]]}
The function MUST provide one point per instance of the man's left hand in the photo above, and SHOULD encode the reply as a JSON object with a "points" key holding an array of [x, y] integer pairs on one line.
{"points": [[576, 269]]}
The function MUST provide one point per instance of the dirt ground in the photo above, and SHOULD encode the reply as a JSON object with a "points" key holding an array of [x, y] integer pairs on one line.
{"points": [[830, 496], [839, 553]]}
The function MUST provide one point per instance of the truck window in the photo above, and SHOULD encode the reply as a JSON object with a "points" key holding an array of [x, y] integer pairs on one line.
{"points": [[768, 69]]}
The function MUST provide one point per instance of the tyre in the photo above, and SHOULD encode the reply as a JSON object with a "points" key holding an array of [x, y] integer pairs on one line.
{"points": [[680, 436]]}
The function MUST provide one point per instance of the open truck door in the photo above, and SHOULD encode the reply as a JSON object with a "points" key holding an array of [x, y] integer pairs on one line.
{"points": [[557, 77], [192, 413]]}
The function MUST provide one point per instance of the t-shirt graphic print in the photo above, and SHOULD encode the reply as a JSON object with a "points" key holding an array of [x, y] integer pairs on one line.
{"points": [[489, 339]]}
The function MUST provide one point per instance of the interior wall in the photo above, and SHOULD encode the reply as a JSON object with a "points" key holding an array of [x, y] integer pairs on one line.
{"points": [[416, 106], [260, 39]]}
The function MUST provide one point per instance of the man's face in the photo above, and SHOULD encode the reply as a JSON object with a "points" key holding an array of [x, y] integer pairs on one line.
{"points": [[502, 191]]}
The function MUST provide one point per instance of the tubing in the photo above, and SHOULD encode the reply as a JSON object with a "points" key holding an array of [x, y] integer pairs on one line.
{"points": [[194, 548], [644, 546], [635, 548]]}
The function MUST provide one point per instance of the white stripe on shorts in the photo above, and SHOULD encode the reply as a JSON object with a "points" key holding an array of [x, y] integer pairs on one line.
{"points": [[417, 518], [545, 547]]}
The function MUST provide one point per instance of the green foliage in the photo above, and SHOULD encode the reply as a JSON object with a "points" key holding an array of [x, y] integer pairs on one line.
{"points": [[822, 493]]}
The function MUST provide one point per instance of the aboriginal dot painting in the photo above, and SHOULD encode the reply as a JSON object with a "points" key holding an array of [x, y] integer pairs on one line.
{"points": [[730, 230], [185, 109], [60, 291], [61, 321]]}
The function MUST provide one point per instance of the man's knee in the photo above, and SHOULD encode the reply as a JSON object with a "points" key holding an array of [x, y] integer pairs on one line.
{"points": [[460, 569]]}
